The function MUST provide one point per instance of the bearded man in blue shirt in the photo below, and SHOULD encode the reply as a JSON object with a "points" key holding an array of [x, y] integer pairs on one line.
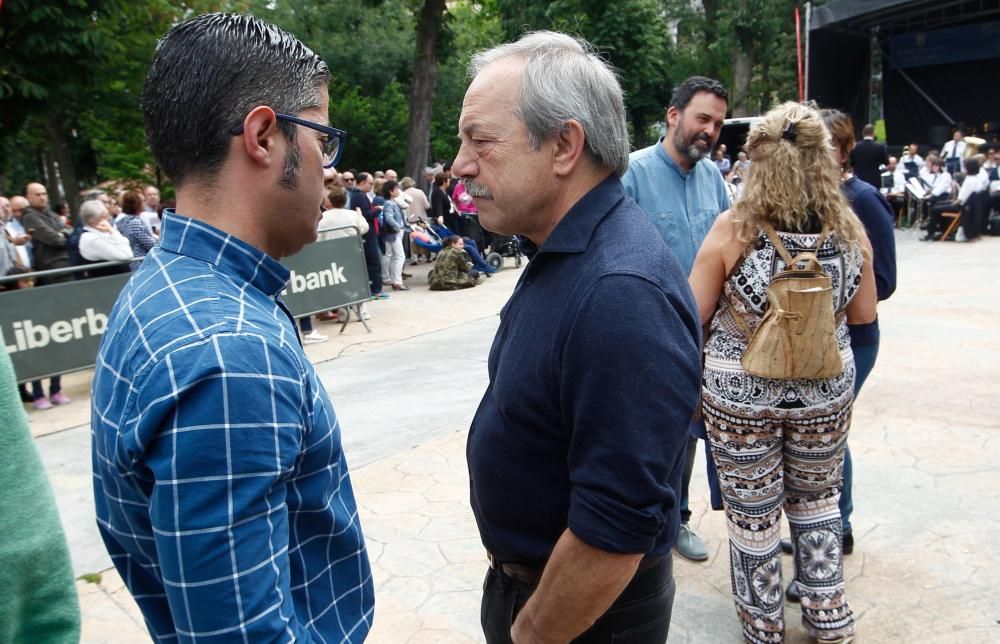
{"points": [[221, 487], [682, 192]]}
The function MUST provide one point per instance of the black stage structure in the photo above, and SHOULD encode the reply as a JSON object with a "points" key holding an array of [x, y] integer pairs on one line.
{"points": [[940, 62]]}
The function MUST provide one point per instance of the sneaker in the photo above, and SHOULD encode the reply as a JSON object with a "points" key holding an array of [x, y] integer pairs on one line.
{"points": [[314, 338], [689, 545], [960, 235], [59, 398], [380, 296], [365, 315], [341, 315], [848, 543], [42, 404]]}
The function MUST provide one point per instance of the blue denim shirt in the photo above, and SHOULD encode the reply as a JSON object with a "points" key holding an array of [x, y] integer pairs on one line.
{"points": [[222, 492], [681, 204]]}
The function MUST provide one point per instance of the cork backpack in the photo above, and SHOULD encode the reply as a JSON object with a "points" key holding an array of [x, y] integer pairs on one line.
{"points": [[797, 336]]}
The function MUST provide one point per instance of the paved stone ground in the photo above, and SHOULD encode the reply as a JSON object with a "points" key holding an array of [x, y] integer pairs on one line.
{"points": [[924, 567]]}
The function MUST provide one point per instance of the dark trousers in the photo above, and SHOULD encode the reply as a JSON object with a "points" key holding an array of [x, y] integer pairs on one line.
{"points": [[640, 615], [864, 362], [373, 259], [38, 391], [936, 223], [696, 431], [691, 452]]}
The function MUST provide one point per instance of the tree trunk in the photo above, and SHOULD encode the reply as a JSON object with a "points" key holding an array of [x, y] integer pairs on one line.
{"points": [[711, 8], [422, 89], [51, 177], [59, 148], [742, 73]]}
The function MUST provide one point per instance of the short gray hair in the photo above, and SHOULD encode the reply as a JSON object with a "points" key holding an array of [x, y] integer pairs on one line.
{"points": [[91, 210], [565, 80]]}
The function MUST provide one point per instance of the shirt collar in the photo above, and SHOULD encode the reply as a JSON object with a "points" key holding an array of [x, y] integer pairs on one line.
{"points": [[572, 234], [662, 155], [233, 256]]}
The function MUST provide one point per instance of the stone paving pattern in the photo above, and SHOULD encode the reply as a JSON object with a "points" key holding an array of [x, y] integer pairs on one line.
{"points": [[926, 426]]}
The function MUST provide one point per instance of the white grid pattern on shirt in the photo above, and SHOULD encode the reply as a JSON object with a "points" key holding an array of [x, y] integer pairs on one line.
{"points": [[199, 355]]}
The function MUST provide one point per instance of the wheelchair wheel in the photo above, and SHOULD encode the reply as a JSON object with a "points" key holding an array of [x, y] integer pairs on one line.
{"points": [[495, 260], [518, 258]]}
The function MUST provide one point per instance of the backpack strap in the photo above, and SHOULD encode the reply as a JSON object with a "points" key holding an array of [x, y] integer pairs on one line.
{"points": [[785, 255]]}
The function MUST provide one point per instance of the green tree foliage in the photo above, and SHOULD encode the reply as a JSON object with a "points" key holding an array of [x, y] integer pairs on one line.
{"points": [[70, 74], [47, 54], [71, 71], [632, 35], [473, 26], [721, 37]]}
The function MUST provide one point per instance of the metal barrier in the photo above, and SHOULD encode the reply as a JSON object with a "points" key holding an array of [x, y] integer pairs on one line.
{"points": [[57, 328]]}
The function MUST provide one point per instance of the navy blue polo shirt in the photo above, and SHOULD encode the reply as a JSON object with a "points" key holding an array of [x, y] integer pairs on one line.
{"points": [[594, 376]]}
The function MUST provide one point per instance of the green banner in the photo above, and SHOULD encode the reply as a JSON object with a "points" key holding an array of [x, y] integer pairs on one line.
{"points": [[326, 275], [56, 329]]}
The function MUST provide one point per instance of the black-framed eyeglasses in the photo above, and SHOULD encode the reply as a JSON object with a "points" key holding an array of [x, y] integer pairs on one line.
{"points": [[333, 145]]}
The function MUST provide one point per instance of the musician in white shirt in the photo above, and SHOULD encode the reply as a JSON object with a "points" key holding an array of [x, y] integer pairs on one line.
{"points": [[894, 185], [974, 182], [910, 155], [938, 182], [953, 151]]}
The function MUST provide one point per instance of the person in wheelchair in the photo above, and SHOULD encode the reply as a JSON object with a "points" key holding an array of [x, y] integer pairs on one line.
{"points": [[452, 270]]}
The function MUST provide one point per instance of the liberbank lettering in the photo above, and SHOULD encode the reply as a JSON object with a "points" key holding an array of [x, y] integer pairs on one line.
{"points": [[300, 283], [29, 335], [58, 328]]}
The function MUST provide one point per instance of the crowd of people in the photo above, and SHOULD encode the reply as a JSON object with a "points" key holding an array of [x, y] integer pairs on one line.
{"points": [[399, 224], [639, 327]]}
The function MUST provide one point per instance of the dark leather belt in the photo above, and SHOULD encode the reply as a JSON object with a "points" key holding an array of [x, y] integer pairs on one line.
{"points": [[531, 575]]}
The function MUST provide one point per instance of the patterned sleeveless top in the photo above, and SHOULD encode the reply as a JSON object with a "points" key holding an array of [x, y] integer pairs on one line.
{"points": [[744, 294]]}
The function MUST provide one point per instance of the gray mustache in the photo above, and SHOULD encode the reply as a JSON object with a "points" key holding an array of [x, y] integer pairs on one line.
{"points": [[478, 190]]}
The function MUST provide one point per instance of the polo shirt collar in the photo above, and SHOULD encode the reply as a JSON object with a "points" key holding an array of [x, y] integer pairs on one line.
{"points": [[572, 234], [232, 256]]}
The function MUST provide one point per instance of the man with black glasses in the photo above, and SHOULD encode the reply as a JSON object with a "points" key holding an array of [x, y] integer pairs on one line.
{"points": [[221, 488]]}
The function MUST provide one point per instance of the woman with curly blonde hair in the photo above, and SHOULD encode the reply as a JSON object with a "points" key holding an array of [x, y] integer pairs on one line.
{"points": [[778, 443]]}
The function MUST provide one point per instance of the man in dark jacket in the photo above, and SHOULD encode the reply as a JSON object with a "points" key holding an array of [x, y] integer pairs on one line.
{"points": [[373, 256], [48, 234], [867, 157]]}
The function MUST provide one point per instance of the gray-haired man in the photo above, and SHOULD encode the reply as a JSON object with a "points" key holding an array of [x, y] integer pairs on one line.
{"points": [[573, 473]]}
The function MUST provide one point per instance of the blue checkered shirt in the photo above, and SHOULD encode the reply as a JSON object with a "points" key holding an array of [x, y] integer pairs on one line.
{"points": [[222, 491]]}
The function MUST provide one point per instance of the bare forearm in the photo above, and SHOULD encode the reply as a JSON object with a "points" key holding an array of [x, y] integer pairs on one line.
{"points": [[578, 585]]}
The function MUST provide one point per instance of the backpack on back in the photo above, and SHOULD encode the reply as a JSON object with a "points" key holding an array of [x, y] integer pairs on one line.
{"points": [[797, 336]]}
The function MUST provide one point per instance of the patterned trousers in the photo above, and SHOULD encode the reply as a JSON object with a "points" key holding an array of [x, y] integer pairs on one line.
{"points": [[768, 458]]}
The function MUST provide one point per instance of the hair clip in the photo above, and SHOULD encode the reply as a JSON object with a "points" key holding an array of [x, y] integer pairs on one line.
{"points": [[789, 134]]}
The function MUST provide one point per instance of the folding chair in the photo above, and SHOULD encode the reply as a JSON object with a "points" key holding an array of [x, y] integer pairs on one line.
{"points": [[956, 219]]}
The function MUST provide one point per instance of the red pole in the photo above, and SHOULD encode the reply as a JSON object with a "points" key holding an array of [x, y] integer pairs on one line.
{"points": [[798, 53]]}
